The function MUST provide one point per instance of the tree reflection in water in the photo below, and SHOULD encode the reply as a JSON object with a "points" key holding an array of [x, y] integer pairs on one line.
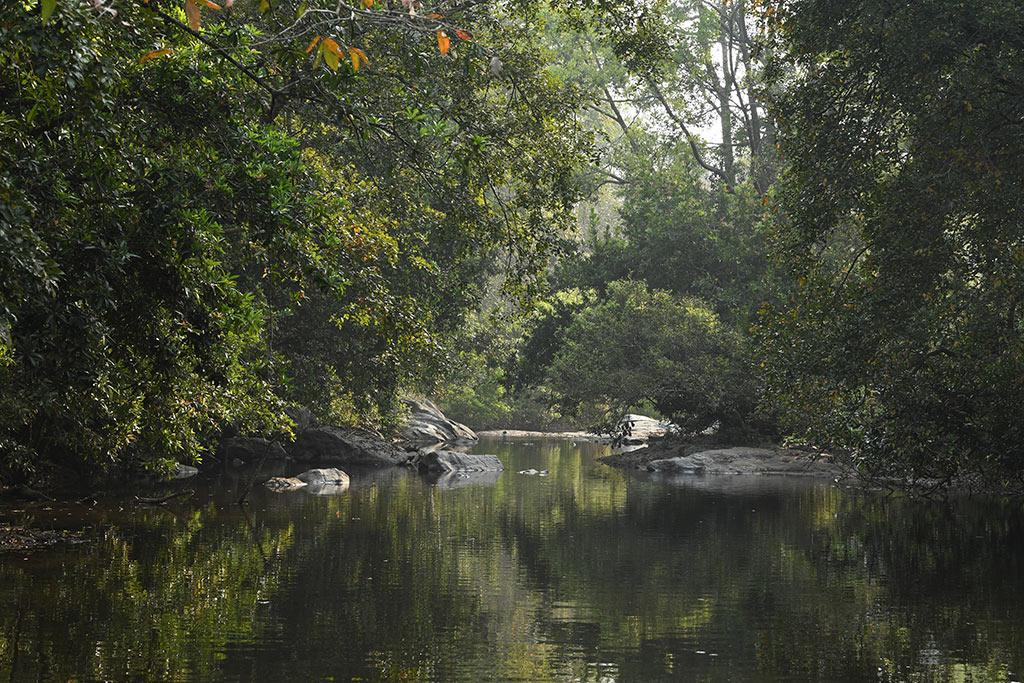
{"points": [[587, 574]]}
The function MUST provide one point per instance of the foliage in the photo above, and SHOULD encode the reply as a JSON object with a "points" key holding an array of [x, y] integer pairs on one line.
{"points": [[667, 209], [499, 362], [640, 345], [899, 219], [200, 224]]}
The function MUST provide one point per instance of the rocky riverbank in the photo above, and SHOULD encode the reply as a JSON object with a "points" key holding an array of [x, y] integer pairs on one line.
{"points": [[703, 458]]}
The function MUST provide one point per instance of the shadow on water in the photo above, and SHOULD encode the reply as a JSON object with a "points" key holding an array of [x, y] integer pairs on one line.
{"points": [[587, 574]]}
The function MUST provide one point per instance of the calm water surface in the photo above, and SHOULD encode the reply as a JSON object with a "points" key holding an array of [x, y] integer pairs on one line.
{"points": [[589, 574]]}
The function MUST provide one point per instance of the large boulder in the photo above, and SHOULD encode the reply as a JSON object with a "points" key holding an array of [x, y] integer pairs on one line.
{"points": [[453, 461], [638, 429], [336, 445], [748, 461], [251, 449], [428, 425]]}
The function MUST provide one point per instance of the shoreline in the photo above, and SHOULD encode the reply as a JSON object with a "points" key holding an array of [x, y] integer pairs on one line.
{"points": [[531, 434]]}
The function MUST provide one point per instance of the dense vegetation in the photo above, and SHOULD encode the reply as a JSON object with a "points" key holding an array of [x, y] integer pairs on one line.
{"points": [[794, 218], [851, 215], [202, 223]]}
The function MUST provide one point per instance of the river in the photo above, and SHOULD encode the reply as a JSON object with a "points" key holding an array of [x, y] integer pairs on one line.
{"points": [[586, 574]]}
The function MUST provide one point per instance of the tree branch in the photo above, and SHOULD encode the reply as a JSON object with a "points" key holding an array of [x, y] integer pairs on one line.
{"points": [[694, 147]]}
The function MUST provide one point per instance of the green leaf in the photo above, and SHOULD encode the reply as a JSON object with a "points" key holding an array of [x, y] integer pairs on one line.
{"points": [[48, 7], [331, 58]]}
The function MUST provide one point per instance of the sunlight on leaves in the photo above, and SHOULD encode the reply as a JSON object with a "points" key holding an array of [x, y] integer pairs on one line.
{"points": [[154, 54]]}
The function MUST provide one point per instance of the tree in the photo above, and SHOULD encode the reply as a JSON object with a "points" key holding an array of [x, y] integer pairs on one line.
{"points": [[202, 223], [900, 222], [641, 346]]}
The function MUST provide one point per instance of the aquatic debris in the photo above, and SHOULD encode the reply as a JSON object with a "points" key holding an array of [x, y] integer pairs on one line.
{"points": [[534, 473]]}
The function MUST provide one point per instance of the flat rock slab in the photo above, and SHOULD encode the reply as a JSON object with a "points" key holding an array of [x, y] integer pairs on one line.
{"points": [[452, 461], [743, 460]]}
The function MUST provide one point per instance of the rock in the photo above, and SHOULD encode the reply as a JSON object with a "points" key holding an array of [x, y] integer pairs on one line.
{"points": [[534, 473], [284, 484], [252, 448], [638, 429], [451, 461], [336, 445], [428, 425], [742, 460], [184, 472], [324, 477]]}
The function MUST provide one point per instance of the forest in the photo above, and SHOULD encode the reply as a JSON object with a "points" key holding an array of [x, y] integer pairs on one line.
{"points": [[786, 221]]}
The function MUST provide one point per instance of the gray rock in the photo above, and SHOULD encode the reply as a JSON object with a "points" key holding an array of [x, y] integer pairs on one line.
{"points": [[452, 461], [743, 460], [638, 429], [335, 445], [428, 425], [252, 448], [184, 471], [324, 477], [280, 484]]}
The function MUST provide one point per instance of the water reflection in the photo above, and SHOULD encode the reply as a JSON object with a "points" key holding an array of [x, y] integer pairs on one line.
{"points": [[587, 574]]}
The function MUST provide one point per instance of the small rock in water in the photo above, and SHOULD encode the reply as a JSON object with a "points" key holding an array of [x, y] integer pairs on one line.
{"points": [[284, 484], [184, 472], [532, 472], [330, 476]]}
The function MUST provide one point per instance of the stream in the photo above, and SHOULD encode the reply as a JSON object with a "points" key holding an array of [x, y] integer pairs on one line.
{"points": [[586, 574]]}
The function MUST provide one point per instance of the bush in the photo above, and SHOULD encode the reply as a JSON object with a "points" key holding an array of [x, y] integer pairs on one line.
{"points": [[642, 346]]}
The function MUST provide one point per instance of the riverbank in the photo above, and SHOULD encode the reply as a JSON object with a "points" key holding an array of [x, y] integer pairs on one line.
{"points": [[704, 457], [529, 434]]}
